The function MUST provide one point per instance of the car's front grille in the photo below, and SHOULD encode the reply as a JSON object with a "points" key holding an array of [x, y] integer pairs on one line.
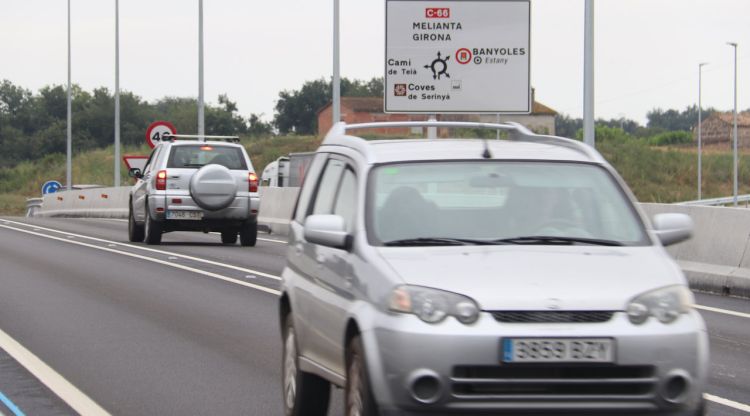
{"points": [[514, 382], [552, 316]]}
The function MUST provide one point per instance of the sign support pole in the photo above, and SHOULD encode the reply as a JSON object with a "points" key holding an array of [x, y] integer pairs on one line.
{"points": [[117, 93], [69, 150], [432, 131], [336, 65], [201, 114], [589, 132]]}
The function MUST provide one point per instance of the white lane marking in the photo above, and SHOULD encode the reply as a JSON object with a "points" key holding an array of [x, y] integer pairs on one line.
{"points": [[726, 402], [724, 311], [153, 260], [66, 391], [198, 259]]}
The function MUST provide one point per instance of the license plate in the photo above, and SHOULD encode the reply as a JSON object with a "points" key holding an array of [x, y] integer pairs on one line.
{"points": [[554, 350], [184, 215]]}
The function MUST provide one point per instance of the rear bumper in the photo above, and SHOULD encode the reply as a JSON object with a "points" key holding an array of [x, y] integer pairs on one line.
{"points": [[243, 208]]}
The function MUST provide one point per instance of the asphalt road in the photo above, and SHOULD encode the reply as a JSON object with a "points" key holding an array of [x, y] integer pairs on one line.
{"points": [[189, 327]]}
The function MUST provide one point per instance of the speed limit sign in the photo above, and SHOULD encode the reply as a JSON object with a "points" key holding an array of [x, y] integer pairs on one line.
{"points": [[158, 131]]}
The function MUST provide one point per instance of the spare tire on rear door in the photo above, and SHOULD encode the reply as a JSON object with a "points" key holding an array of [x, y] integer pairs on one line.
{"points": [[213, 187]]}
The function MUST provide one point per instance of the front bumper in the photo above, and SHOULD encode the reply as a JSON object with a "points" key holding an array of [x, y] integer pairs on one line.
{"points": [[468, 376]]}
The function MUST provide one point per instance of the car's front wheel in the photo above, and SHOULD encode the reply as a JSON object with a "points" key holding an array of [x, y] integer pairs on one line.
{"points": [[135, 231], [305, 394], [152, 229], [358, 397]]}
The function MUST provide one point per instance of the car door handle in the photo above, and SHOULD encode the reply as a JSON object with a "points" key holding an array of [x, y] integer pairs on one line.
{"points": [[298, 249]]}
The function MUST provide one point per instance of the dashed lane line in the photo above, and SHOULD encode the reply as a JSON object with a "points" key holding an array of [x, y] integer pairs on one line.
{"points": [[153, 260], [724, 311], [152, 250], [726, 402], [69, 393]]}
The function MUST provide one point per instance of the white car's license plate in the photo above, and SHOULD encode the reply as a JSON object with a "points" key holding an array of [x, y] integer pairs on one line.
{"points": [[184, 215], [552, 350]]}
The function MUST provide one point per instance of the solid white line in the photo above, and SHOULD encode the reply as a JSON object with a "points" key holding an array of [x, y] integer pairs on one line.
{"points": [[52, 379], [153, 260], [168, 253], [724, 311], [726, 402]]}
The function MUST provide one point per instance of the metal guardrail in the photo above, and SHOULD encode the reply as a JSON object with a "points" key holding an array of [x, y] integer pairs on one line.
{"points": [[718, 201], [33, 205]]}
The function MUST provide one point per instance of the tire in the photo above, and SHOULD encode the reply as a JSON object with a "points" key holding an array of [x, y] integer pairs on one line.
{"points": [[152, 229], [249, 234], [135, 231], [358, 397], [229, 237], [304, 394]]}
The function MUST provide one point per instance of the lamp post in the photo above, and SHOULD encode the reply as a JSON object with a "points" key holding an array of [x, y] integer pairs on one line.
{"points": [[700, 180], [69, 146], [336, 81], [117, 93], [589, 132], [201, 114], [734, 45]]}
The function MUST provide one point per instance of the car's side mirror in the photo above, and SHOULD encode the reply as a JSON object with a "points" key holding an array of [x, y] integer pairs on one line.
{"points": [[327, 230], [135, 173], [672, 228]]}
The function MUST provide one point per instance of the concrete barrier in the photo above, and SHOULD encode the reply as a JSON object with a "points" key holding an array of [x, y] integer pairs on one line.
{"points": [[276, 206], [91, 202], [717, 258]]}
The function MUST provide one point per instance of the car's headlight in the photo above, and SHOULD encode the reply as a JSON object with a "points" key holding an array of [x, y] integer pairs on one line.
{"points": [[433, 305], [665, 304]]}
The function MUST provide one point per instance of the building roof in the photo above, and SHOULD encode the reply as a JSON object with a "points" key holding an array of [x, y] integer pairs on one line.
{"points": [[375, 105], [743, 118]]}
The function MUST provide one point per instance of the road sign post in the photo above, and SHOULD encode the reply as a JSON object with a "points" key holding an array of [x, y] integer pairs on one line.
{"points": [[457, 56], [157, 130]]}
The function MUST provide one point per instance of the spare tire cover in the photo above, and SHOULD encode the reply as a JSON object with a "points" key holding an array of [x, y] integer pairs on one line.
{"points": [[213, 187]]}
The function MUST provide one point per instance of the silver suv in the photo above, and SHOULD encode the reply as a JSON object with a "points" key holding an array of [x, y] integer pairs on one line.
{"points": [[469, 276], [190, 185]]}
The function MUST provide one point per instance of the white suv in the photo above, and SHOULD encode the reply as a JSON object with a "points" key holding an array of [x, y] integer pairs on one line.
{"points": [[195, 186], [469, 276]]}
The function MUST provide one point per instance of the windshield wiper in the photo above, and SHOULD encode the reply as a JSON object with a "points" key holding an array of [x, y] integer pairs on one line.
{"points": [[440, 241], [557, 240]]}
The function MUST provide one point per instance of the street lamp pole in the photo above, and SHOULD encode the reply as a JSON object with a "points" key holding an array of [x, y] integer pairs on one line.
{"points": [[69, 150], [700, 164], [589, 132], [734, 45], [201, 114], [117, 93], [336, 65]]}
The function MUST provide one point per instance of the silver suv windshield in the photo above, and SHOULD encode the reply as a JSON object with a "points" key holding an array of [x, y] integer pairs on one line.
{"points": [[499, 202], [196, 156]]}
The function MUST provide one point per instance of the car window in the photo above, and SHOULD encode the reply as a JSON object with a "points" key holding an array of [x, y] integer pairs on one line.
{"points": [[197, 156], [308, 186], [151, 159], [346, 199], [499, 200], [328, 186]]}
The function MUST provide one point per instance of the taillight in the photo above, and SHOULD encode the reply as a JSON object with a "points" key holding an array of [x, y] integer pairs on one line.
{"points": [[252, 180], [161, 180]]}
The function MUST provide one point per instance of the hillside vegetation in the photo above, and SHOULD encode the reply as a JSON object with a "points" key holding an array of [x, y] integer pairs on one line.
{"points": [[655, 174]]}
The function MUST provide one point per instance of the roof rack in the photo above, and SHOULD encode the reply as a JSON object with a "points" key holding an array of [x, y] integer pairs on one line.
{"points": [[517, 132], [201, 138]]}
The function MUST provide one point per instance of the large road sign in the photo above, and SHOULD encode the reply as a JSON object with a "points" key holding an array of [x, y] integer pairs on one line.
{"points": [[457, 56], [50, 187], [157, 130]]}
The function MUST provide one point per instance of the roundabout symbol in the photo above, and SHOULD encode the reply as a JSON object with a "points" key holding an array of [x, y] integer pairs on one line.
{"points": [[439, 67]]}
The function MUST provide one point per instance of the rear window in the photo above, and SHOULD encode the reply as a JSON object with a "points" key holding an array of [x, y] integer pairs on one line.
{"points": [[187, 157]]}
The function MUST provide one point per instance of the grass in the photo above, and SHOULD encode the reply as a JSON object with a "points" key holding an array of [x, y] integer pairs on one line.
{"points": [[654, 174]]}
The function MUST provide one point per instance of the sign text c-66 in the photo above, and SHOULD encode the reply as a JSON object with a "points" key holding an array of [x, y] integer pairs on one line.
{"points": [[437, 12]]}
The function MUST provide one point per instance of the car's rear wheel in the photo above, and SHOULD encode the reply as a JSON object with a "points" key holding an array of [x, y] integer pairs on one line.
{"points": [[152, 229], [358, 397], [229, 237], [304, 393], [249, 233], [135, 231]]}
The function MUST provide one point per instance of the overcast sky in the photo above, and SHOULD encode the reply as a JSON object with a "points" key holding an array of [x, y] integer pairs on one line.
{"points": [[647, 51]]}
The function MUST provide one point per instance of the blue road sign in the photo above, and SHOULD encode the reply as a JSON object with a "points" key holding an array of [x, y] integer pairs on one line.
{"points": [[50, 187]]}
